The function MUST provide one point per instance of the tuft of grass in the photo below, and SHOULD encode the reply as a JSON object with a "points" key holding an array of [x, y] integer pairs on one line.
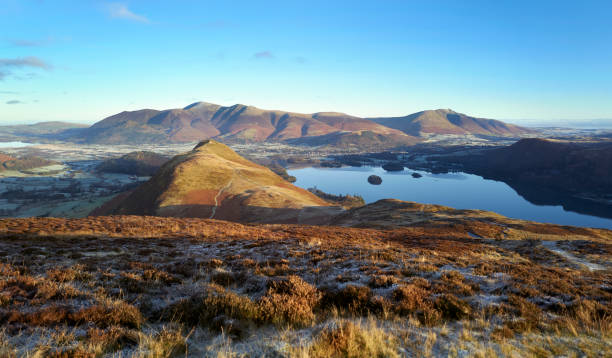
{"points": [[289, 301], [451, 307], [163, 344], [111, 339], [529, 314], [353, 340], [379, 281], [216, 308], [409, 298], [355, 300], [76, 272]]}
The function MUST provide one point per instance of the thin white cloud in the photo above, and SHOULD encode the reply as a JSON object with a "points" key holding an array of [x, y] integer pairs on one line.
{"points": [[121, 11]]}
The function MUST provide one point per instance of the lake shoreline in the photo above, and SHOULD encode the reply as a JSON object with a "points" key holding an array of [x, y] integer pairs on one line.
{"points": [[458, 190]]}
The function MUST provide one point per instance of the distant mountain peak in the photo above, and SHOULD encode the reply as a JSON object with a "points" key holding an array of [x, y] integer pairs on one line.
{"points": [[448, 121], [200, 104]]}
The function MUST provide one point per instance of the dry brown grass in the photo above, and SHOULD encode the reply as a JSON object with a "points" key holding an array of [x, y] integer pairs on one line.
{"points": [[124, 277], [410, 298], [289, 300], [451, 307], [353, 340]]}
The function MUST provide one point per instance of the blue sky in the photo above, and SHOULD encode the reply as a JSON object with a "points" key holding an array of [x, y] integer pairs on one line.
{"points": [[84, 60]]}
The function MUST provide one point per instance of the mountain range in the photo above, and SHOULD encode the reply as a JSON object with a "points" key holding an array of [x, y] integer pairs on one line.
{"points": [[212, 181], [240, 123]]}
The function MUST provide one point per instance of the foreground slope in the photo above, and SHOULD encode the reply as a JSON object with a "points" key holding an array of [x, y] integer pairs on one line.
{"points": [[150, 286], [212, 181], [447, 121]]}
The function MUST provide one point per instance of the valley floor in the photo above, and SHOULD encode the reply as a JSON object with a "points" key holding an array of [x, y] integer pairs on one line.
{"points": [[159, 287]]}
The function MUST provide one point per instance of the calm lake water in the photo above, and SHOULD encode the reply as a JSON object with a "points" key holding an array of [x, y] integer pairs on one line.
{"points": [[458, 190]]}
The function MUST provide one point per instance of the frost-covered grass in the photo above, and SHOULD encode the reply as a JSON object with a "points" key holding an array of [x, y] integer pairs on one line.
{"points": [[120, 287]]}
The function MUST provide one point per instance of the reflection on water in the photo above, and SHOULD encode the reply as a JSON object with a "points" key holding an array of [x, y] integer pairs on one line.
{"points": [[458, 190]]}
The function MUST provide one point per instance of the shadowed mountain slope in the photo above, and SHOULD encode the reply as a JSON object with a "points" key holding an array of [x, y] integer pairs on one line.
{"points": [[566, 166], [212, 181], [135, 163], [361, 139]]}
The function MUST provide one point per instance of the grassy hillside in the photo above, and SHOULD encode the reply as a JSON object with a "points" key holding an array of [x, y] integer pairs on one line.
{"points": [[214, 181]]}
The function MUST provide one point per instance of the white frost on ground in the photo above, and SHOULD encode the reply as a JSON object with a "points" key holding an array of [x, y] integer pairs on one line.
{"points": [[553, 247]]}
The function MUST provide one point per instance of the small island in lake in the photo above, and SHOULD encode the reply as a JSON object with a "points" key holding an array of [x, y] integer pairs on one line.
{"points": [[374, 180]]}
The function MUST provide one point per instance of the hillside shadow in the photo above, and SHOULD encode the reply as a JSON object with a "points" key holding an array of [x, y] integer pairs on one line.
{"points": [[314, 215], [538, 195]]}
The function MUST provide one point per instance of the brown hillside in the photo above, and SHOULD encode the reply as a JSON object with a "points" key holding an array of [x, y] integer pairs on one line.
{"points": [[234, 123], [212, 181], [446, 121], [5, 158], [22, 163]]}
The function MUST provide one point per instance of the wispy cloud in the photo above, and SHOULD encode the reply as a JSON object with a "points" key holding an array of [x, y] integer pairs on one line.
{"points": [[7, 64], [30, 61], [121, 11], [263, 55], [27, 43], [14, 101]]}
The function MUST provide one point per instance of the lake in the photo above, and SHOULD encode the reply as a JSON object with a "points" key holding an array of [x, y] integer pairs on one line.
{"points": [[15, 144], [457, 190]]}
